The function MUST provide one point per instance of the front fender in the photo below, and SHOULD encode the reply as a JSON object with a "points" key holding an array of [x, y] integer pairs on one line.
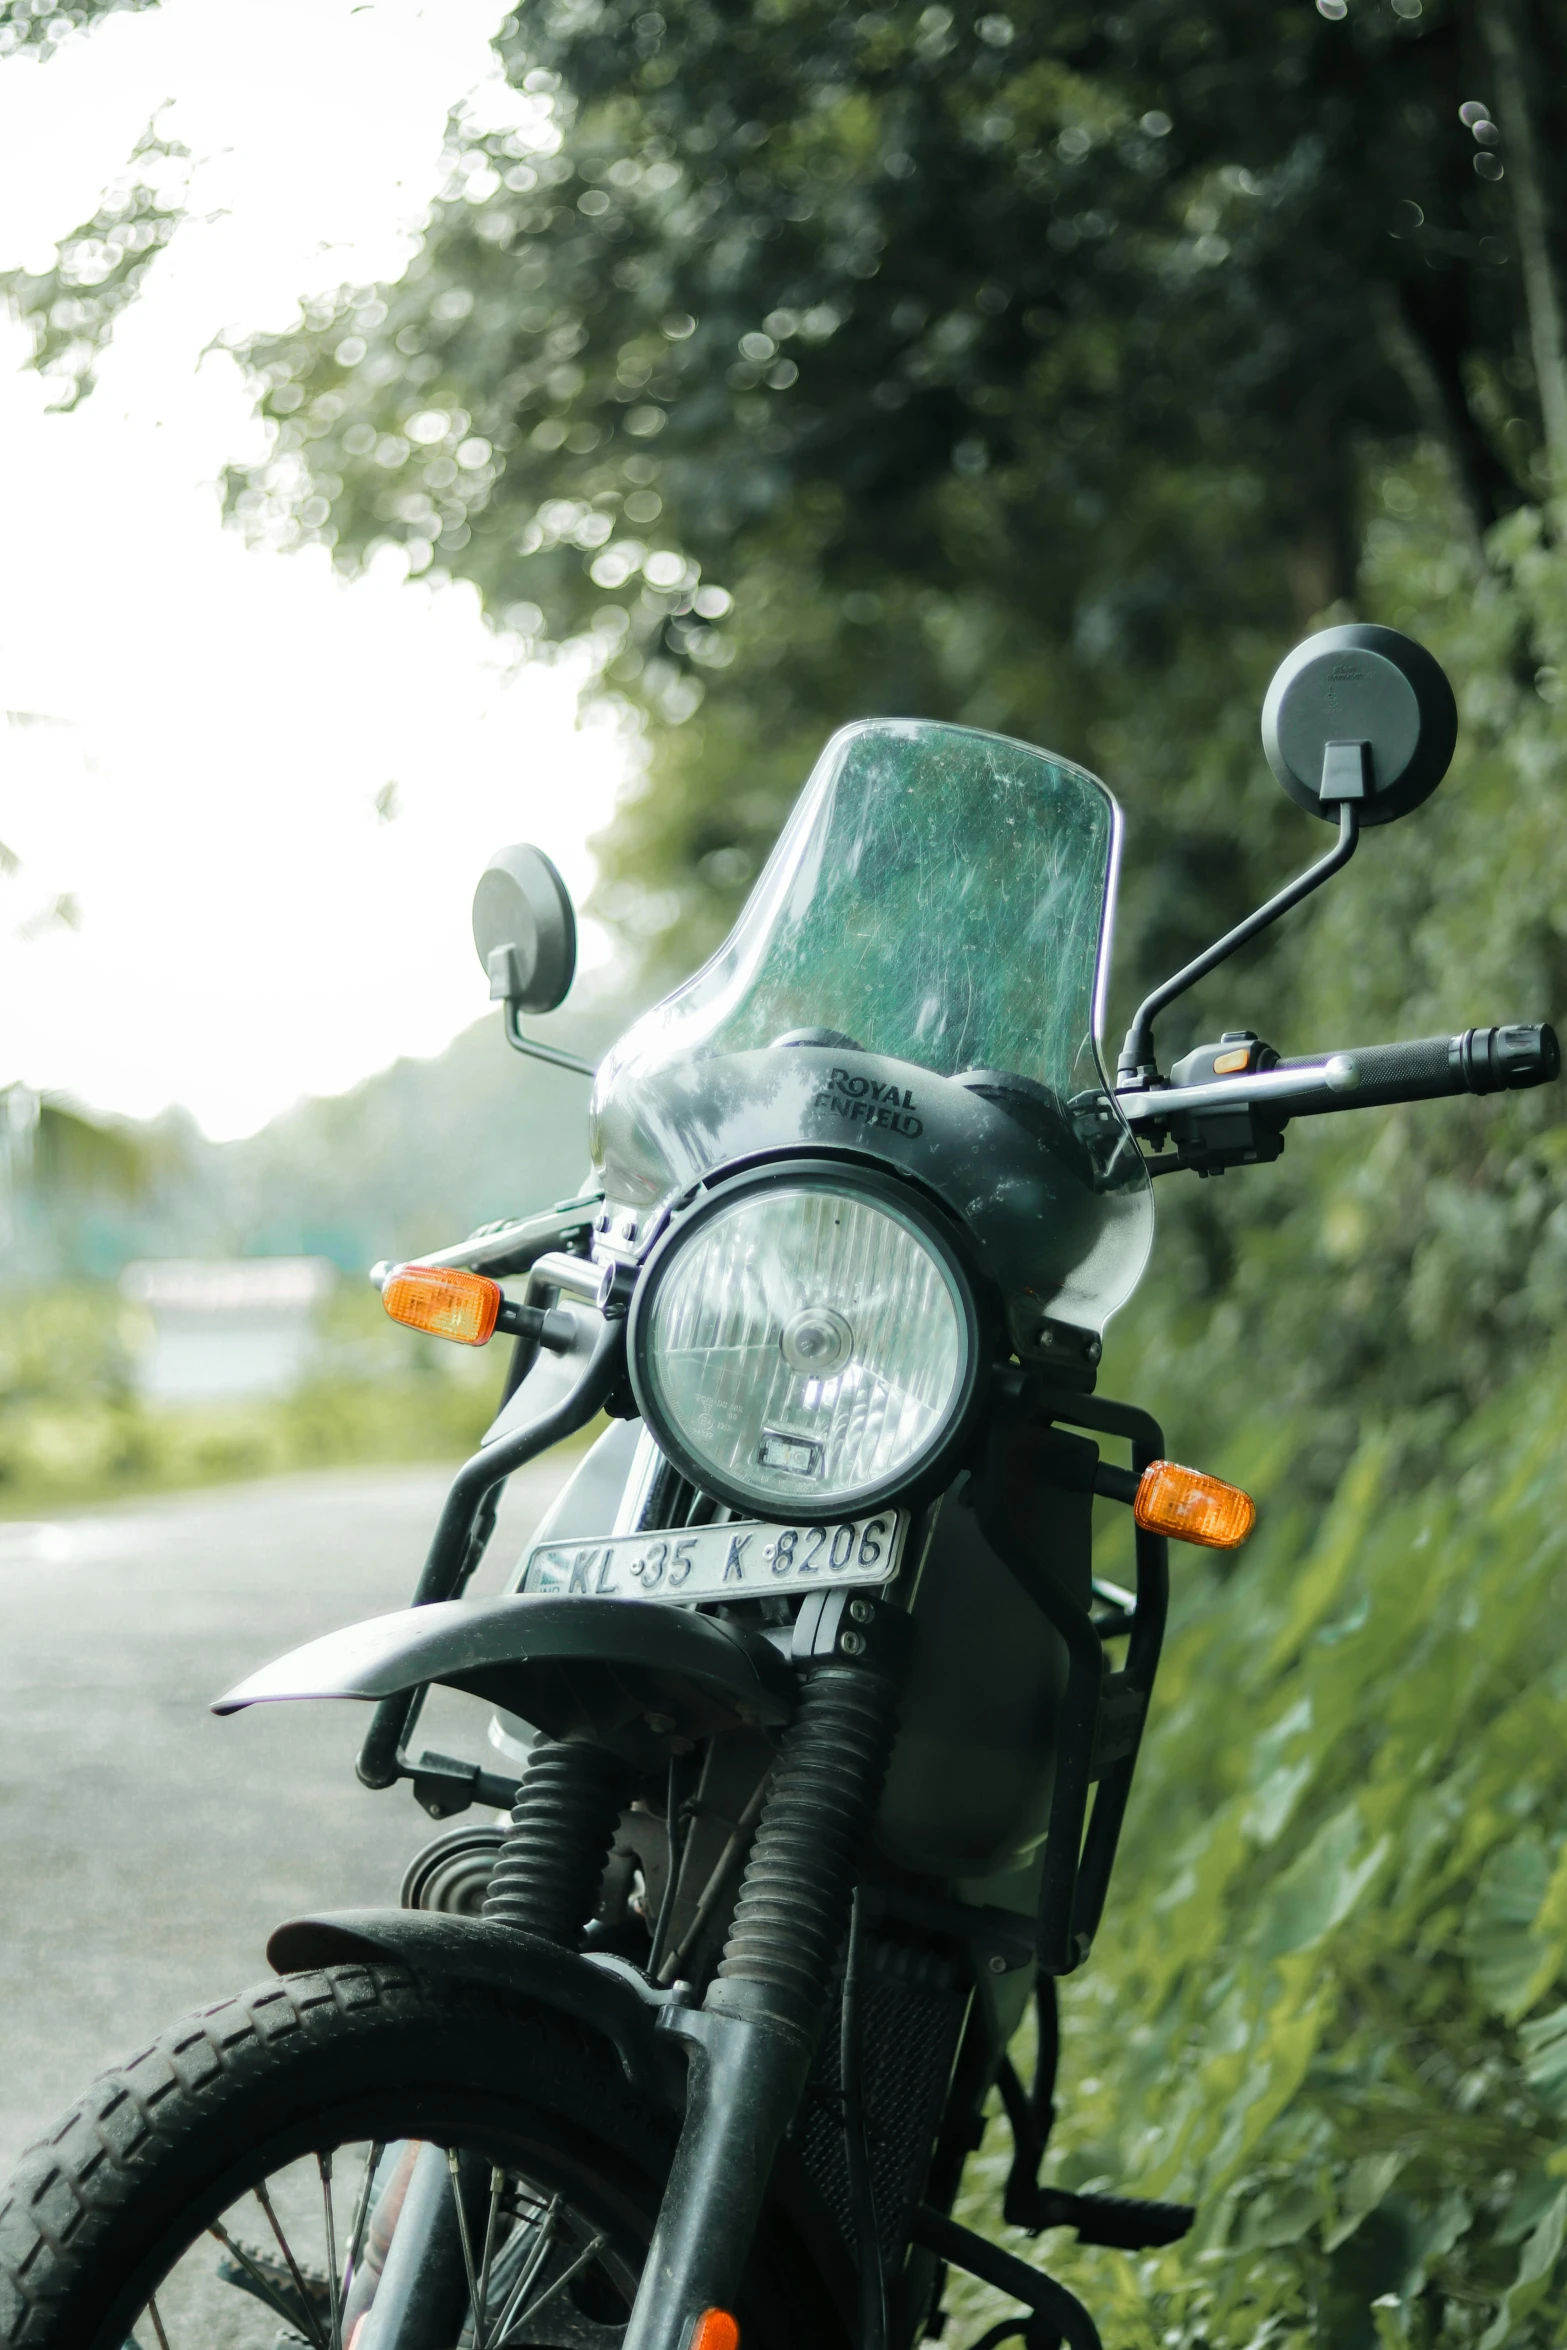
{"points": [[595, 1668], [596, 1993], [602, 1995]]}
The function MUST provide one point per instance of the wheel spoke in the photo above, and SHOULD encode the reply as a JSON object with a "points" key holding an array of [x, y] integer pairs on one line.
{"points": [[334, 2304], [157, 2323], [265, 2289], [497, 2188], [362, 2215], [589, 2251], [454, 2168], [307, 2306], [531, 2267]]}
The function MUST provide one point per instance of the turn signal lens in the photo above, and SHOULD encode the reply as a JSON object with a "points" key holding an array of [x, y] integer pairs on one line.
{"points": [[715, 2330], [1192, 1507], [447, 1304]]}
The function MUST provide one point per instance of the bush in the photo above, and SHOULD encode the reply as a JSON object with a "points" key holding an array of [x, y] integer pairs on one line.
{"points": [[74, 1429], [1326, 2005]]}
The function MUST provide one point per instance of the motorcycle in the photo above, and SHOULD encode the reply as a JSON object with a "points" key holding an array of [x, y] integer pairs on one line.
{"points": [[814, 1719]]}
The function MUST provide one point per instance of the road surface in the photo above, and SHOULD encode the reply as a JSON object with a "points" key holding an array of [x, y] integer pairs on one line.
{"points": [[146, 1848]]}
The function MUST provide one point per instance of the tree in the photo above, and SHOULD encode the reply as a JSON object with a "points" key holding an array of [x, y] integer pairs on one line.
{"points": [[989, 364], [27, 25], [1042, 370]]}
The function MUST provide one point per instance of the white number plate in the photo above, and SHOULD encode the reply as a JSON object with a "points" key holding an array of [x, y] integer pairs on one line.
{"points": [[721, 1562]]}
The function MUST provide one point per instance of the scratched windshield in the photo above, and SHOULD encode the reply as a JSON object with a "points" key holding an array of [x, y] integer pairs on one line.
{"points": [[939, 896]]}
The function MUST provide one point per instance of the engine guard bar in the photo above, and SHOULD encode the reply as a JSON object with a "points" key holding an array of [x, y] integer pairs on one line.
{"points": [[467, 1518], [1479, 1060], [1101, 1716]]}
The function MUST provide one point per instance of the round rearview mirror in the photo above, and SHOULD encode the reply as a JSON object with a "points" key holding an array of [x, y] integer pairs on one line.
{"points": [[1359, 714], [524, 929]]}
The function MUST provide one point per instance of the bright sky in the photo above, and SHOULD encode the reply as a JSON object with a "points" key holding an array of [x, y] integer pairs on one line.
{"points": [[203, 728]]}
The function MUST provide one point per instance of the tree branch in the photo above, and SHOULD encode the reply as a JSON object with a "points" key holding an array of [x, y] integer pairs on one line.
{"points": [[1542, 295]]}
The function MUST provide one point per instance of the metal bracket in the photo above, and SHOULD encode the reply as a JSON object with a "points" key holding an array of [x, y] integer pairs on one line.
{"points": [[554, 1054]]}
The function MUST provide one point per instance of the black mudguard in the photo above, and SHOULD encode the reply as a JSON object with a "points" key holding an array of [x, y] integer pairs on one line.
{"points": [[600, 1994], [625, 1672]]}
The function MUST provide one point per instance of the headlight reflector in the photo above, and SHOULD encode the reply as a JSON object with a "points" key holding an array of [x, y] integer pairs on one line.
{"points": [[803, 1348]]}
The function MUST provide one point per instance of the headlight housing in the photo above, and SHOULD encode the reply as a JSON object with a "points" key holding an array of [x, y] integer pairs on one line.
{"points": [[806, 1344]]}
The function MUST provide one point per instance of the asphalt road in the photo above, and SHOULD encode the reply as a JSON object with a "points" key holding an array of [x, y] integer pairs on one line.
{"points": [[146, 1848]]}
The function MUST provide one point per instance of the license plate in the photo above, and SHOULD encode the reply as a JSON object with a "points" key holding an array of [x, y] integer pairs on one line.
{"points": [[744, 1561]]}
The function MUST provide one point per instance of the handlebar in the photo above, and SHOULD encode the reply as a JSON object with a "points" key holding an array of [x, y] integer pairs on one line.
{"points": [[1480, 1060]]}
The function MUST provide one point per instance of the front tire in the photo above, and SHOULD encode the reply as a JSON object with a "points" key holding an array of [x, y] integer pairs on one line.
{"points": [[138, 2215]]}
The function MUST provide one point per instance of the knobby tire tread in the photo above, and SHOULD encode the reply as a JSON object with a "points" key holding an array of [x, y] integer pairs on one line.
{"points": [[112, 2170]]}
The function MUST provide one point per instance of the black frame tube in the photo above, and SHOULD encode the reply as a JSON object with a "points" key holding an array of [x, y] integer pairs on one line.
{"points": [[961, 2248]]}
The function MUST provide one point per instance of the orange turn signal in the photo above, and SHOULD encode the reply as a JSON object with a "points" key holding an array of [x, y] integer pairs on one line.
{"points": [[715, 2330], [1192, 1507], [447, 1304]]}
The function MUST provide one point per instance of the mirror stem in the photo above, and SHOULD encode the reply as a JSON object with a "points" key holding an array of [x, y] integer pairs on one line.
{"points": [[556, 1057], [1138, 1068]]}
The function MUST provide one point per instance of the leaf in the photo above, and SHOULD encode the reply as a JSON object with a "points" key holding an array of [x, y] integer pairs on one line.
{"points": [[1368, 2181], [1506, 1957], [1545, 2064], [1533, 2280], [1321, 1888], [1273, 1805], [1281, 2217]]}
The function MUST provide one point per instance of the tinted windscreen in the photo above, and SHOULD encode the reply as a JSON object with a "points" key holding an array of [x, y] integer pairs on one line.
{"points": [[938, 896]]}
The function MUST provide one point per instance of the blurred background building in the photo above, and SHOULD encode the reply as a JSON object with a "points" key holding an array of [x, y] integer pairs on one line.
{"points": [[228, 1330]]}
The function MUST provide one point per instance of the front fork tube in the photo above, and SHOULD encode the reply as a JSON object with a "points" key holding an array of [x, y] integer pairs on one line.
{"points": [[422, 2295], [752, 2042], [747, 2076]]}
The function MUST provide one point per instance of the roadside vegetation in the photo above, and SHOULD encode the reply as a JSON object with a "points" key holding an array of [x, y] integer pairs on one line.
{"points": [[73, 1429], [1053, 371]]}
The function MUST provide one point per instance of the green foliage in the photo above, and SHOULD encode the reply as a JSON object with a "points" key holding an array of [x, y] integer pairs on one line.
{"points": [[73, 1428], [1325, 2005], [1017, 368], [412, 1158], [1049, 371], [48, 1146], [99, 268], [1052, 370], [1402, 1263], [1327, 2001], [39, 26]]}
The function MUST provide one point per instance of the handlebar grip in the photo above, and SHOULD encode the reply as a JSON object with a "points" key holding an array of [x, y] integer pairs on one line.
{"points": [[1408, 1072], [1480, 1060]]}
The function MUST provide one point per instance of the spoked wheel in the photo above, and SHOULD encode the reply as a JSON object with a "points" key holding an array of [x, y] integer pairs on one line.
{"points": [[309, 2267], [345, 2160]]}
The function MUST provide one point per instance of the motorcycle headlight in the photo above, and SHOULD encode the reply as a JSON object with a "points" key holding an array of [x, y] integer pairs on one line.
{"points": [[804, 1348]]}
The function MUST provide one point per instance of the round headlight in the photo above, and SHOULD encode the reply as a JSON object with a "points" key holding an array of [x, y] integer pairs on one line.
{"points": [[804, 1348]]}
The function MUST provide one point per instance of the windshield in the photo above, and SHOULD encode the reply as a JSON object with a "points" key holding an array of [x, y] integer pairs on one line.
{"points": [[915, 979], [939, 896]]}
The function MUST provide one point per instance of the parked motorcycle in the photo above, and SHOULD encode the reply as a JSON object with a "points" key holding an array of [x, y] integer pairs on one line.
{"points": [[815, 1721]]}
